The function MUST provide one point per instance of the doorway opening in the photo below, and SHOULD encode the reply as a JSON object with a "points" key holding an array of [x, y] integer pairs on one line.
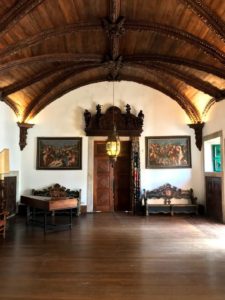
{"points": [[213, 169], [112, 185]]}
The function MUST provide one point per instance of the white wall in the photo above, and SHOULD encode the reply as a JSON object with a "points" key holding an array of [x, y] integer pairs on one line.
{"points": [[9, 138], [64, 117], [9, 135]]}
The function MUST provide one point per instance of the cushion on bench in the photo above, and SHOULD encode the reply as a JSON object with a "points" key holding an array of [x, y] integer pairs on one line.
{"points": [[180, 201]]}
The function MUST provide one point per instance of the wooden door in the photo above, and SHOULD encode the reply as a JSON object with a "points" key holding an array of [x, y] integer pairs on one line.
{"points": [[214, 198], [103, 179], [122, 179], [10, 194], [111, 184]]}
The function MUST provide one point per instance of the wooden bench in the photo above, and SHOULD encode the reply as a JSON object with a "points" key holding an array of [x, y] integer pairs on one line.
{"points": [[57, 191], [170, 199]]}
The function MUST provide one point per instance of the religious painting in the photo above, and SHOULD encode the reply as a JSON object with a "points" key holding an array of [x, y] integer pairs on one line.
{"points": [[59, 153], [165, 152]]}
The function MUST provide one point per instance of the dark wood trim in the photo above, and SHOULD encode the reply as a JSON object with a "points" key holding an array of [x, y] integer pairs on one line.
{"points": [[61, 78], [208, 106], [140, 58], [16, 13], [40, 76], [213, 21], [178, 34], [190, 79], [50, 58]]}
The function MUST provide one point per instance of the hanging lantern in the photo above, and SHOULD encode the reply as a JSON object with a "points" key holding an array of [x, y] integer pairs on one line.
{"points": [[113, 141], [113, 145]]}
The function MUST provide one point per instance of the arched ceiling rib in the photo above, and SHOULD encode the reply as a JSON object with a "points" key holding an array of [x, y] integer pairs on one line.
{"points": [[176, 46]]}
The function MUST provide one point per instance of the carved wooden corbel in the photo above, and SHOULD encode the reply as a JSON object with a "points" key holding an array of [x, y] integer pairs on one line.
{"points": [[114, 29], [23, 133], [114, 67], [198, 133]]}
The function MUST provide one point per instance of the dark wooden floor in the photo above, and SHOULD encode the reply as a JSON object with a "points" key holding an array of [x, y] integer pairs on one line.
{"points": [[115, 256]]}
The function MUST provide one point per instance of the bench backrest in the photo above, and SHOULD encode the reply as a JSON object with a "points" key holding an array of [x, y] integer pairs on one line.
{"points": [[57, 191], [167, 192]]}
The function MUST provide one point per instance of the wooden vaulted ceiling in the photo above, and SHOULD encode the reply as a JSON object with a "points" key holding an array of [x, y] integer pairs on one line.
{"points": [[50, 47]]}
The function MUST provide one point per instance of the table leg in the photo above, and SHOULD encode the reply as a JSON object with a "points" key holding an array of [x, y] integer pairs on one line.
{"points": [[71, 217], [34, 213], [45, 222], [28, 215]]}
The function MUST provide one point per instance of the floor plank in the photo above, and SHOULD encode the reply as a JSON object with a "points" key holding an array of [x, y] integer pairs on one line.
{"points": [[115, 256]]}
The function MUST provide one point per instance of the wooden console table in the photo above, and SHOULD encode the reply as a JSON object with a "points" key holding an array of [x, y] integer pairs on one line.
{"points": [[46, 205]]}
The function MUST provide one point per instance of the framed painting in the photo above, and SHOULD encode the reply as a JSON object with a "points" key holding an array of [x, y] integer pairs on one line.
{"points": [[165, 152], [59, 153]]}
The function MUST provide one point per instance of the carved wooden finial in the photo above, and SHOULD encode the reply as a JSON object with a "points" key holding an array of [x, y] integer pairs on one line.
{"points": [[101, 124], [23, 133], [198, 133]]}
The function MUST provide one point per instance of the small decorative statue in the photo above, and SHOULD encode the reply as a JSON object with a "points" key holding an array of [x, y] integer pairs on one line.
{"points": [[87, 117]]}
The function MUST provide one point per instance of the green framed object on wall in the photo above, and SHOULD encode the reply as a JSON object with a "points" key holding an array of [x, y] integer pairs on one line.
{"points": [[216, 158]]}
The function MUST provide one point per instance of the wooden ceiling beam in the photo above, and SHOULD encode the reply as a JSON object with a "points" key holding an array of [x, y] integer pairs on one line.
{"points": [[10, 103], [56, 82], [16, 13], [208, 106], [171, 91], [189, 79], [51, 58], [63, 91], [213, 21], [48, 34], [40, 76], [114, 32], [140, 58], [178, 34], [113, 26], [114, 10]]}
